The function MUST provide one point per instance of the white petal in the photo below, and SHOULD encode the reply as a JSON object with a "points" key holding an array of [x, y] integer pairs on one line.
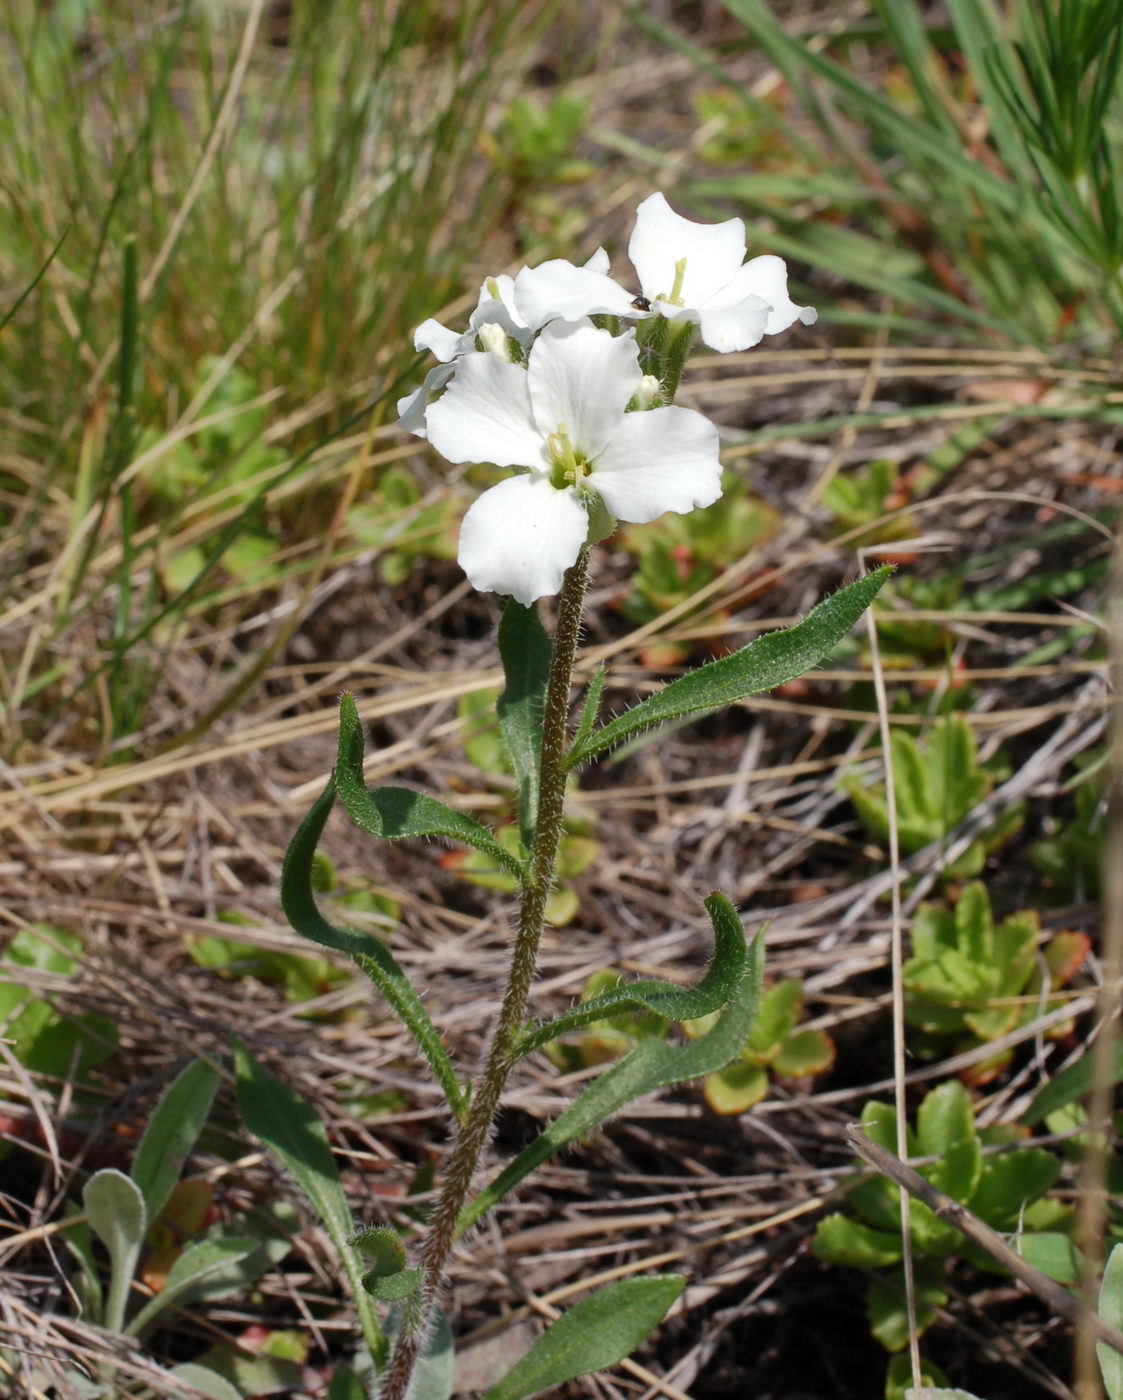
{"points": [[582, 378], [557, 289], [484, 416], [713, 252], [521, 536], [598, 262], [497, 313], [664, 459], [411, 409], [767, 277], [431, 335], [736, 327]]}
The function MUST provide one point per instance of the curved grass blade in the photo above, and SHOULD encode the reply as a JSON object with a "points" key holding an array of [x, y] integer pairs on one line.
{"points": [[525, 650], [395, 813], [369, 952], [714, 991], [651, 1065], [290, 1126], [595, 1334], [762, 665]]}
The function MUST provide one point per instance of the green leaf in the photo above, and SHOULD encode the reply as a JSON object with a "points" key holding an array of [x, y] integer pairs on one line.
{"points": [[396, 813], [762, 665], [345, 1384], [115, 1211], [929, 1392], [384, 1249], [840, 1240], [1011, 1181], [736, 1089], [723, 977], [590, 706], [172, 1132], [1111, 1311], [525, 651], [369, 952], [651, 1065], [1053, 1253], [203, 1379], [392, 1288], [290, 1126], [885, 1309], [779, 1011], [434, 1374], [945, 1118], [205, 1269], [598, 1332], [808, 1051], [1067, 1087], [898, 1378]]}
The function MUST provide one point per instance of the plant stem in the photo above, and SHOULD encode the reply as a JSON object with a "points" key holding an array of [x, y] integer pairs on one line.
{"points": [[473, 1134]]}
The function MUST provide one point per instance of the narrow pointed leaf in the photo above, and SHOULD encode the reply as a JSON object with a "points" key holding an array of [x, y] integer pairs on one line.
{"points": [[1069, 1085], [652, 1065], [762, 665], [370, 953], [395, 813], [206, 1269], [525, 651], [714, 991], [595, 1334], [590, 706], [172, 1132], [290, 1126]]}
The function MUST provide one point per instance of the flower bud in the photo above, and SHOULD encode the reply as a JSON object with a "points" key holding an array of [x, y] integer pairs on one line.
{"points": [[493, 338]]}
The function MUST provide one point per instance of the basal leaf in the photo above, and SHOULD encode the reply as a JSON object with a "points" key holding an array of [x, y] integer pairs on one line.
{"points": [[396, 813], [369, 952], [205, 1269], [840, 1240], [762, 665], [1111, 1311], [290, 1126], [115, 1211], [595, 1334], [651, 1065], [201, 1380], [525, 651], [172, 1132], [723, 976]]}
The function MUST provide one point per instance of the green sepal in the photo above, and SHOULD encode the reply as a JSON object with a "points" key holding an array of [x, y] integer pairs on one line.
{"points": [[525, 650], [367, 951], [395, 813], [714, 991], [651, 1065], [765, 663]]}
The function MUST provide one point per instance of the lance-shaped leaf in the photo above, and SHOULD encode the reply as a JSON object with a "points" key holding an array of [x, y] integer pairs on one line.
{"points": [[172, 1132], [715, 990], [1111, 1311], [651, 1065], [291, 1127], [206, 1269], [394, 812], [369, 952], [598, 1332], [590, 706], [201, 1380], [762, 665], [525, 650]]}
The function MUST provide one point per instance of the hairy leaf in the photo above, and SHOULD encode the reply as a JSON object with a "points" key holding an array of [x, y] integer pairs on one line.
{"points": [[714, 991], [205, 1269], [172, 1132], [596, 1333], [762, 665], [290, 1126], [651, 1065], [395, 813], [369, 952]]}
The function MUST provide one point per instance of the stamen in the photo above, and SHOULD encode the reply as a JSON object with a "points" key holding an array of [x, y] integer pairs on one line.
{"points": [[674, 296]]}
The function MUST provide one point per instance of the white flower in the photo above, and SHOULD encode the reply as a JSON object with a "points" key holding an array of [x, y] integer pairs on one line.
{"points": [[563, 419], [688, 271], [495, 318]]}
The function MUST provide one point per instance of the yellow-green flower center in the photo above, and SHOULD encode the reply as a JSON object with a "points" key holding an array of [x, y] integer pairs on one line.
{"points": [[568, 466], [674, 296]]}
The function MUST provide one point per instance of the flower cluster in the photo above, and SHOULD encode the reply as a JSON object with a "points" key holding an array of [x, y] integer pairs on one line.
{"points": [[585, 410]]}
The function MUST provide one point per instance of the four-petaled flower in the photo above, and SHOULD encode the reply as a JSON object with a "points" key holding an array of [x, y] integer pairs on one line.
{"points": [[562, 418], [687, 271]]}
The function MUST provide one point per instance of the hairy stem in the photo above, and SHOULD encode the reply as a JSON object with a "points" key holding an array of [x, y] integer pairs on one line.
{"points": [[474, 1132]]}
